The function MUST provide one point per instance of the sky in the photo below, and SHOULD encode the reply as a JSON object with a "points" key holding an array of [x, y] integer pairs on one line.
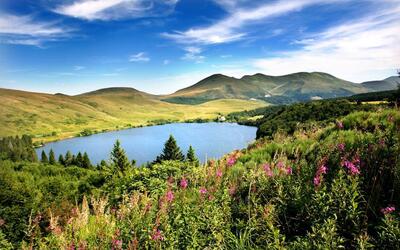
{"points": [[160, 46]]}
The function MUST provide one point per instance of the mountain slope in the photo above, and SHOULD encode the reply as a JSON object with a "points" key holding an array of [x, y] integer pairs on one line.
{"points": [[51, 117], [389, 83], [288, 88]]}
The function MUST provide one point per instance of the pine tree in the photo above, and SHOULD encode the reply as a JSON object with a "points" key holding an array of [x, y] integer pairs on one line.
{"points": [[61, 159], [79, 160], [171, 151], [68, 160], [86, 161], [119, 158], [191, 156], [44, 158], [52, 157]]}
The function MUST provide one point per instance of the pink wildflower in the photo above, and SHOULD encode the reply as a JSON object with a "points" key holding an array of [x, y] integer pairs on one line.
{"points": [[280, 164], [183, 183], [116, 244], [289, 170], [210, 197], [317, 180], [170, 196], [268, 171], [219, 173], [339, 124], [382, 142], [157, 236], [341, 147], [352, 167], [388, 210], [203, 190], [231, 161], [319, 174]]}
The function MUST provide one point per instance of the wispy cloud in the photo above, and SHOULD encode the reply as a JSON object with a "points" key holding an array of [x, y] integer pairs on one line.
{"points": [[166, 62], [25, 30], [115, 9], [193, 54], [78, 68], [357, 50], [139, 57], [230, 28]]}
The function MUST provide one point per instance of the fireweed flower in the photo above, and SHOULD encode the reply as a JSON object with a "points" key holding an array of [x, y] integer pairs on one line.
{"points": [[218, 173], [203, 190], [116, 244], [267, 169], [231, 161], [339, 125], [319, 174], [170, 196], [157, 236], [341, 147], [289, 170], [280, 164], [352, 166], [183, 183], [388, 210]]}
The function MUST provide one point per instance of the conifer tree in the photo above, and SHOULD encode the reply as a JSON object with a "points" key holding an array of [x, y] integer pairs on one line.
{"points": [[191, 156], [79, 159], [86, 161], [52, 157], [44, 158], [171, 151], [68, 160], [119, 158], [61, 159]]}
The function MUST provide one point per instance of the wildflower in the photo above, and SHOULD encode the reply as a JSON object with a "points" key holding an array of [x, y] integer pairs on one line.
{"points": [[352, 167], [219, 173], [157, 236], [268, 171], [317, 181], [341, 147], [203, 190], [339, 124], [280, 164], [183, 183], [116, 244], [170, 196], [231, 161], [210, 197], [289, 170], [319, 174], [382, 142], [388, 210]]}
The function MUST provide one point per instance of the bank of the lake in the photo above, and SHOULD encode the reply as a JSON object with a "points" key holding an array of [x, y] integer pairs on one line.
{"points": [[210, 140]]}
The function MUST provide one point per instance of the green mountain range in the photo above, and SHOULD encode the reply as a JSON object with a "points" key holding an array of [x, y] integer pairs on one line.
{"points": [[275, 89]]}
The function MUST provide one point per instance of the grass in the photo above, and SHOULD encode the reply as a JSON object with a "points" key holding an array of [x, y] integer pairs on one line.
{"points": [[52, 117]]}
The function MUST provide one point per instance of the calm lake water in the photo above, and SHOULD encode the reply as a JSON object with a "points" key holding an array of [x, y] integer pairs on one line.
{"points": [[210, 140]]}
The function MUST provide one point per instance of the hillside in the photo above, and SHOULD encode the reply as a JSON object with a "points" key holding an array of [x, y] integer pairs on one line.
{"points": [[273, 89], [50, 117], [389, 83]]}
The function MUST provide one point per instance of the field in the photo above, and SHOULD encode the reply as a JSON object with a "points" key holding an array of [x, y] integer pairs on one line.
{"points": [[51, 117]]}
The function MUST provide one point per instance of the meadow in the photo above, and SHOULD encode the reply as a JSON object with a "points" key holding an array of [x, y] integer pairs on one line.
{"points": [[329, 183]]}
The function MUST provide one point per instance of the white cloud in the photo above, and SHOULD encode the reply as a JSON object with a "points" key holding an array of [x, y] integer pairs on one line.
{"points": [[358, 50], [230, 29], [25, 30], [166, 62], [115, 9], [193, 54], [139, 57]]}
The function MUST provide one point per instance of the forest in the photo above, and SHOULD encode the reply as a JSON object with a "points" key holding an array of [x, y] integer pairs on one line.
{"points": [[321, 175]]}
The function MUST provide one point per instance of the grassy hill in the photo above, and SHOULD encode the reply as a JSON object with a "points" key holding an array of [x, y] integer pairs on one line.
{"points": [[274, 89], [51, 117], [389, 83]]}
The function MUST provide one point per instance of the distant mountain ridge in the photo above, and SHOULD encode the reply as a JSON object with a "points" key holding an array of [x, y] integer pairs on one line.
{"points": [[290, 88]]}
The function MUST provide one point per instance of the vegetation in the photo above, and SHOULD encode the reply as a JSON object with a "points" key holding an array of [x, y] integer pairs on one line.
{"points": [[328, 179]]}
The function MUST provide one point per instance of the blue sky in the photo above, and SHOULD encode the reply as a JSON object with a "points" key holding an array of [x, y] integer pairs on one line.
{"points": [[160, 46]]}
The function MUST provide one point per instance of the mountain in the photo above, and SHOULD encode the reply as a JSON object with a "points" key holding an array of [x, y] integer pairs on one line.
{"points": [[51, 117], [273, 89], [386, 84]]}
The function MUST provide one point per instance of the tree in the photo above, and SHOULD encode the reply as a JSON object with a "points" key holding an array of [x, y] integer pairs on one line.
{"points": [[86, 161], [61, 159], [119, 158], [191, 156], [79, 160], [44, 158], [171, 151], [68, 160], [52, 157]]}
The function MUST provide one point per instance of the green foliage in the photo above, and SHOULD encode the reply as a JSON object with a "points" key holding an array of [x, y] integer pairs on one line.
{"points": [[119, 158], [171, 151], [52, 157], [44, 158], [191, 156], [17, 149]]}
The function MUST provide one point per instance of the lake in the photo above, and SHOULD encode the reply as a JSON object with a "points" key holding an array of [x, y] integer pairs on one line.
{"points": [[210, 140]]}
